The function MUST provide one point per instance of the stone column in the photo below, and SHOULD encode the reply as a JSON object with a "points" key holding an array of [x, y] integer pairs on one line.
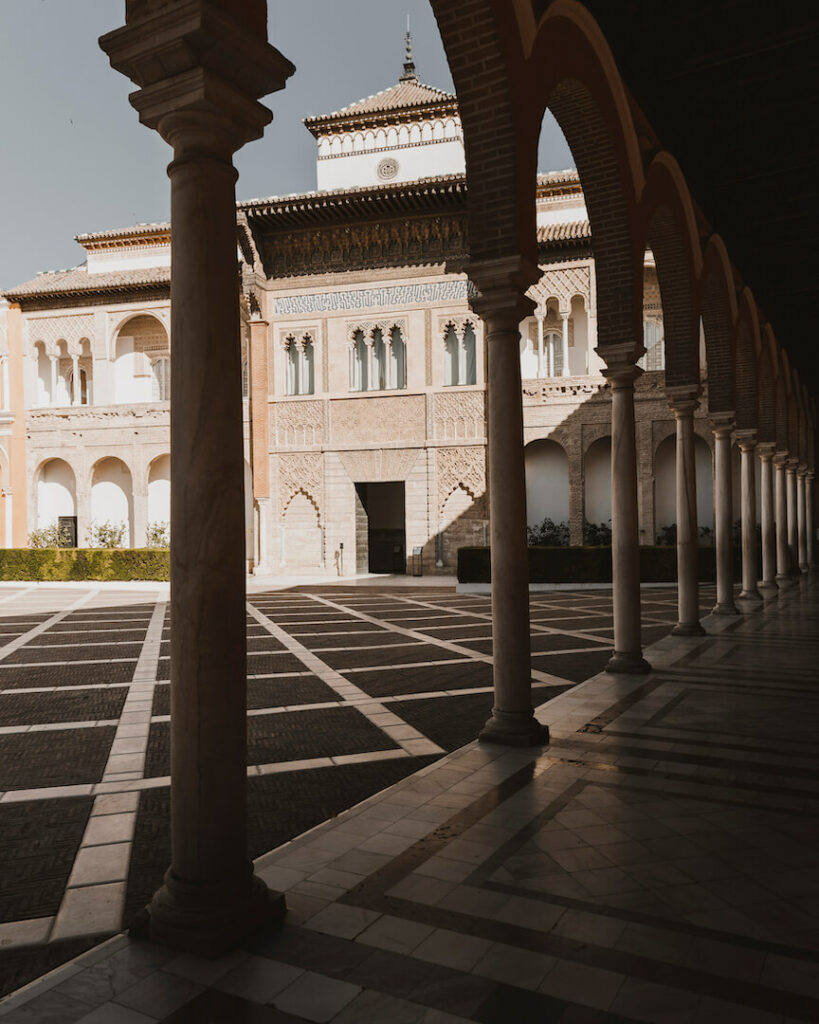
{"points": [[809, 520], [502, 305], [54, 377], [684, 402], [793, 527], [372, 382], [621, 372], [540, 316], [746, 439], [75, 370], [782, 565], [766, 451], [722, 424], [565, 343], [801, 536], [140, 534], [200, 77]]}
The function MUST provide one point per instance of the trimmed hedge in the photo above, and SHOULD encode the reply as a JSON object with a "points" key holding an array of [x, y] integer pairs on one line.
{"points": [[658, 564], [85, 564]]}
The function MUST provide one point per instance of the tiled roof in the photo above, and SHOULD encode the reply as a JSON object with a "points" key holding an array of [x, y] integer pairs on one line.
{"points": [[403, 96], [563, 231], [78, 280], [158, 228]]}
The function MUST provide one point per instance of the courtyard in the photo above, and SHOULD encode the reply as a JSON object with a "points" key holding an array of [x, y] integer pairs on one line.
{"points": [[350, 689]]}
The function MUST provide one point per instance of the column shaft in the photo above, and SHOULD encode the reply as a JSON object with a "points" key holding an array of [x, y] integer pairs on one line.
{"points": [[540, 345], [802, 540], [747, 446], [793, 528], [767, 516], [723, 520], [512, 718], [781, 518], [687, 546], [565, 343], [810, 534], [625, 536]]}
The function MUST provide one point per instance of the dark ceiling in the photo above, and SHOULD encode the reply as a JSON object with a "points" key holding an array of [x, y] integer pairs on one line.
{"points": [[731, 89]]}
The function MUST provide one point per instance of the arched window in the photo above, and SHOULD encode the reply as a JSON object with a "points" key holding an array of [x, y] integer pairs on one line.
{"points": [[245, 378], [161, 373], [459, 354], [654, 358], [397, 360], [553, 355], [379, 381], [300, 365], [359, 357]]}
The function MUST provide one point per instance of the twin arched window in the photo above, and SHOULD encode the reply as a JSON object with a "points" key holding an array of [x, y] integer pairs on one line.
{"points": [[378, 360], [161, 379], [459, 354], [300, 365]]}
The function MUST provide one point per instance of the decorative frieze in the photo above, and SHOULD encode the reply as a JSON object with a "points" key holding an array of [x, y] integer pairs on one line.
{"points": [[379, 464], [377, 420], [297, 424], [459, 415], [51, 330], [464, 467], [397, 296], [302, 472], [536, 392]]}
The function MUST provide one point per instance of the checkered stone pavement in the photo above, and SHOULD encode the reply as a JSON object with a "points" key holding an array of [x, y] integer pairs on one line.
{"points": [[349, 690]]}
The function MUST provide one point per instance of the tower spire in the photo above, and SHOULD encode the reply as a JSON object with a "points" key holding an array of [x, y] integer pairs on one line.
{"points": [[409, 67]]}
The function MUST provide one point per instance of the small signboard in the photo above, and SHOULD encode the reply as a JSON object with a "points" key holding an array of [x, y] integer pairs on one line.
{"points": [[67, 531]]}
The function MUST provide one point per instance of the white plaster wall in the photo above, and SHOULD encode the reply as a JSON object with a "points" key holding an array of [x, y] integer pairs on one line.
{"points": [[705, 484], [56, 493], [665, 484], [579, 350], [112, 495], [598, 481], [130, 258], [547, 482], [424, 161], [159, 490], [133, 381]]}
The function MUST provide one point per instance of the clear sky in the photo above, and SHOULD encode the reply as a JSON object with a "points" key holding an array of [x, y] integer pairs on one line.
{"points": [[74, 158]]}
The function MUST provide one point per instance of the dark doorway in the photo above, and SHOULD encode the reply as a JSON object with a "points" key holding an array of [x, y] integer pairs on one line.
{"points": [[381, 540]]}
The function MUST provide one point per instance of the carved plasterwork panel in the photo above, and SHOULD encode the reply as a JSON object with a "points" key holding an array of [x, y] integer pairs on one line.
{"points": [[459, 415], [460, 467], [371, 419], [379, 464], [562, 285], [52, 329], [298, 423], [301, 472]]}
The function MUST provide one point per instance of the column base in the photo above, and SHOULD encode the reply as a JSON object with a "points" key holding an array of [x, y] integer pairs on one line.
{"points": [[688, 629], [207, 920], [784, 579], [770, 585], [725, 609], [514, 729], [622, 662], [750, 595]]}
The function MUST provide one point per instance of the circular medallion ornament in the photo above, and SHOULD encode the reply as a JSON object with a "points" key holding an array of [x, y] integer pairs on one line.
{"points": [[387, 169]]}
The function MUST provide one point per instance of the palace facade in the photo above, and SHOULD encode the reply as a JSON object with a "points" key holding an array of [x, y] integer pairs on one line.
{"points": [[364, 367]]}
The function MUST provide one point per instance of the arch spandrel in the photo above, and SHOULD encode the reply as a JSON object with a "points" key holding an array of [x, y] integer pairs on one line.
{"points": [[717, 308], [747, 348]]}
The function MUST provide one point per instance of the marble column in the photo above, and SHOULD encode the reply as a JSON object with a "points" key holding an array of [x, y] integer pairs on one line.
{"points": [[75, 370], [199, 80], [746, 439], [625, 536], [782, 565], [765, 450], [372, 380], [810, 527], [565, 343], [801, 536], [793, 527], [54, 377], [502, 306], [684, 402], [722, 425], [540, 316]]}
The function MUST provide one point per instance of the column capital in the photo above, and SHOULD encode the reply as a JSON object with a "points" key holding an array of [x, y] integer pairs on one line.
{"points": [[722, 424], [746, 439], [621, 363], [683, 399], [780, 458], [766, 449], [791, 463], [200, 71], [802, 469], [502, 286]]}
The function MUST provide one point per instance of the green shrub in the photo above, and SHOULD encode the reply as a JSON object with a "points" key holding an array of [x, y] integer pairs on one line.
{"points": [[106, 535], [158, 535], [596, 534], [60, 564], [548, 534], [45, 537], [658, 564]]}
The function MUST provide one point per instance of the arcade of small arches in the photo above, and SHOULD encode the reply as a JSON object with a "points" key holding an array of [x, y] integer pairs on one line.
{"points": [[374, 139]]}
